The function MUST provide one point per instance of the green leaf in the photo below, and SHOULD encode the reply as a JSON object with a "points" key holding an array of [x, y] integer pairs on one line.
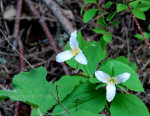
{"points": [[111, 15], [126, 61], [114, 23], [85, 3], [108, 4], [93, 80], [128, 105], [89, 1], [122, 87], [86, 113], [93, 58], [148, 27], [140, 37], [101, 22], [82, 8], [100, 85], [99, 30], [83, 98], [103, 42], [100, 12], [66, 85], [107, 37], [121, 7], [119, 68], [139, 14], [88, 15], [33, 89]]}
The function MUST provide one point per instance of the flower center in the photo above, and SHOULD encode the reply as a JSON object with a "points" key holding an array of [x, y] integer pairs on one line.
{"points": [[76, 51], [112, 80]]}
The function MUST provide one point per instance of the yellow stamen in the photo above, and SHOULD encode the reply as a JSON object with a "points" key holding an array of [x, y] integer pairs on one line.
{"points": [[76, 51], [108, 82], [112, 80]]}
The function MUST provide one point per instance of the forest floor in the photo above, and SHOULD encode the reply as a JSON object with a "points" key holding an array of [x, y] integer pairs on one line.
{"points": [[32, 40]]}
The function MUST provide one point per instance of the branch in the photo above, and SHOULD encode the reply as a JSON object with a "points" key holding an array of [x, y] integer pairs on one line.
{"points": [[60, 103], [15, 49], [47, 32], [16, 32], [56, 10], [137, 24]]}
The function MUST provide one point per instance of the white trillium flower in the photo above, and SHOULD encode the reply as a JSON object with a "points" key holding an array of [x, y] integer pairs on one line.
{"points": [[111, 82], [75, 51]]}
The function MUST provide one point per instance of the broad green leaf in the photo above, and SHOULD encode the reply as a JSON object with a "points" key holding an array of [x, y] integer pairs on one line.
{"points": [[93, 80], [144, 9], [99, 30], [86, 113], [33, 89], [121, 7], [108, 4], [107, 37], [85, 97], [134, 3], [128, 105], [126, 61], [93, 57], [139, 4], [65, 85], [101, 22], [139, 14], [114, 23], [133, 83], [88, 15], [111, 15]]}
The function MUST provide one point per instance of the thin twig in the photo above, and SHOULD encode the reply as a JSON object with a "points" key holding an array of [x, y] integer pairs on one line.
{"points": [[139, 27], [60, 103], [16, 49], [56, 10], [47, 32], [57, 92], [17, 21]]}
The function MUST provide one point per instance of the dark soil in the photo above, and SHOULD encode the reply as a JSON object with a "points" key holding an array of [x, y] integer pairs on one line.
{"points": [[39, 52]]}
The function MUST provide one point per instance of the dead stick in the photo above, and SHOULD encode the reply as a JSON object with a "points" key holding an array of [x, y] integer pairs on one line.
{"points": [[16, 32], [137, 23], [60, 103], [46, 30], [56, 10]]}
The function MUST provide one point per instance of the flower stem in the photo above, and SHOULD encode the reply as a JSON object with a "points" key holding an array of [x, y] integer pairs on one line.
{"points": [[89, 74], [107, 107]]}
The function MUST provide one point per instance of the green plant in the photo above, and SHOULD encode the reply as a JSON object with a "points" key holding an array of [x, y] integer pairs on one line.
{"points": [[85, 94]]}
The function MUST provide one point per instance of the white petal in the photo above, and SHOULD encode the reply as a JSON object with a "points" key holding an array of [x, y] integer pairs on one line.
{"points": [[81, 58], [122, 78], [110, 91], [102, 76], [63, 56], [73, 42]]}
